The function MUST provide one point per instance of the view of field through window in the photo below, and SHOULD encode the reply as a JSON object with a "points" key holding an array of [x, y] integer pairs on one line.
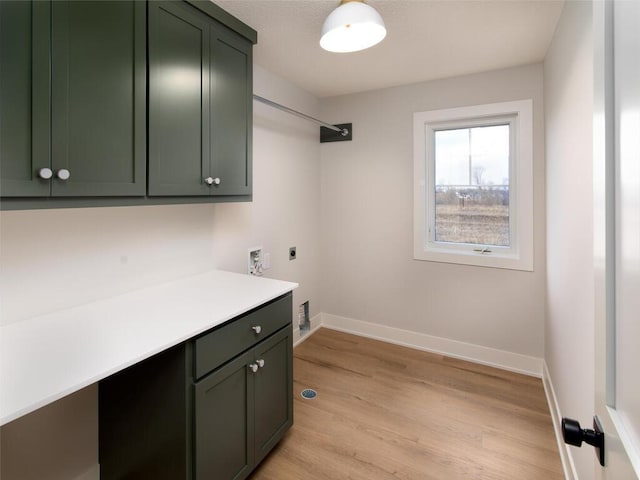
{"points": [[472, 185]]}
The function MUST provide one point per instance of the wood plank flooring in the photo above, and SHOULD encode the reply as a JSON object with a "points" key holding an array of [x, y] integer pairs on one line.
{"points": [[389, 412]]}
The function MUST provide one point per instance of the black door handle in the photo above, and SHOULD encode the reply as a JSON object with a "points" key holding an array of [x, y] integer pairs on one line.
{"points": [[573, 434]]}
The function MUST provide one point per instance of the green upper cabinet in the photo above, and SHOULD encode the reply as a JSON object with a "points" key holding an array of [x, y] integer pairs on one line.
{"points": [[24, 98], [123, 103], [73, 92], [200, 104], [231, 112], [98, 109], [178, 99]]}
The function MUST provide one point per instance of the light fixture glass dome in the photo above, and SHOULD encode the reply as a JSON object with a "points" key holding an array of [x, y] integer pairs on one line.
{"points": [[351, 27]]}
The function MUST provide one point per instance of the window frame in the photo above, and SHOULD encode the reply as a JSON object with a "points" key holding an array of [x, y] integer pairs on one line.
{"points": [[519, 115]]}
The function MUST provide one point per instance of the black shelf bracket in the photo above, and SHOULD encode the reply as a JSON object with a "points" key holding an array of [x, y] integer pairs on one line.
{"points": [[344, 135]]}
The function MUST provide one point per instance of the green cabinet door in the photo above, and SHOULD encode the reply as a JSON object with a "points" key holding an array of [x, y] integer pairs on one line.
{"points": [[231, 112], [223, 421], [98, 78], [273, 397], [178, 99], [24, 98], [73, 96], [200, 104]]}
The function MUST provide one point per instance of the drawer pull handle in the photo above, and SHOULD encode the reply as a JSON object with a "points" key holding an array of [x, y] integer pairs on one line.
{"points": [[253, 367], [260, 363], [257, 328]]}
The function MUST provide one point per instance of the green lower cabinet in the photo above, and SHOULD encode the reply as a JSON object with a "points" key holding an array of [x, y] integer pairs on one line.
{"points": [[162, 419], [243, 409]]}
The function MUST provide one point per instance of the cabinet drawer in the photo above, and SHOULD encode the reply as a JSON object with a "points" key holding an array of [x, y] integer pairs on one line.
{"points": [[222, 344]]}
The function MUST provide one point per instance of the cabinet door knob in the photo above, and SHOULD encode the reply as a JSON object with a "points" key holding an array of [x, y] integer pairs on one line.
{"points": [[256, 328], [212, 181], [63, 174], [253, 367], [260, 363], [45, 173]]}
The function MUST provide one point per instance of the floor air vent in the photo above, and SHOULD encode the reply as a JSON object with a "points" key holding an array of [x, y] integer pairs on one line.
{"points": [[309, 394]]}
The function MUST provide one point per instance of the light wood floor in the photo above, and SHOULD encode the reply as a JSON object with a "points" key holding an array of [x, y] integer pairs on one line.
{"points": [[389, 412]]}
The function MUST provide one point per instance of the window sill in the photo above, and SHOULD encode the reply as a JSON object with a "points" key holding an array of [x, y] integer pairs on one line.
{"points": [[491, 260]]}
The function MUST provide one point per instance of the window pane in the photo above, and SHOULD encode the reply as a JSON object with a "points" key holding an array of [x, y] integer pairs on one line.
{"points": [[452, 157], [472, 185]]}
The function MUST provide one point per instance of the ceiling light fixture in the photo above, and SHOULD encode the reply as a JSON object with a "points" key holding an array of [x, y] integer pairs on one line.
{"points": [[351, 27]]}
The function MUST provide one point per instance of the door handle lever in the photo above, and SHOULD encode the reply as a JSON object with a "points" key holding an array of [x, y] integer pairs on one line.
{"points": [[574, 435]]}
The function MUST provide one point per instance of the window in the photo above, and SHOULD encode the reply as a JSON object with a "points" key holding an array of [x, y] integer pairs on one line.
{"points": [[473, 185]]}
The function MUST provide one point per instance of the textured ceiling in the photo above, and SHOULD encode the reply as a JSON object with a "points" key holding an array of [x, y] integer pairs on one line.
{"points": [[426, 39]]}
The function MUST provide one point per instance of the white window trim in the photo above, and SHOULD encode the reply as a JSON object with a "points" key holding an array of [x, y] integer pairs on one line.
{"points": [[520, 255]]}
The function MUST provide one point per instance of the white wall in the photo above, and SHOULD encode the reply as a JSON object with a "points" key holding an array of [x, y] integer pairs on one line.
{"points": [[569, 342], [53, 259], [368, 269], [286, 194]]}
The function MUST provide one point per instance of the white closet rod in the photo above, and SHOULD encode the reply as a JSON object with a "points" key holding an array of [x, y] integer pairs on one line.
{"points": [[343, 131]]}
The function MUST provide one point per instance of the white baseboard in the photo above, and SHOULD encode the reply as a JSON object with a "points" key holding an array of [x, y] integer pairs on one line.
{"points": [[566, 457], [514, 362]]}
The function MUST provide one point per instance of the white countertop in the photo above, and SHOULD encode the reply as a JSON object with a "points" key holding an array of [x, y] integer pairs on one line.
{"points": [[47, 357]]}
